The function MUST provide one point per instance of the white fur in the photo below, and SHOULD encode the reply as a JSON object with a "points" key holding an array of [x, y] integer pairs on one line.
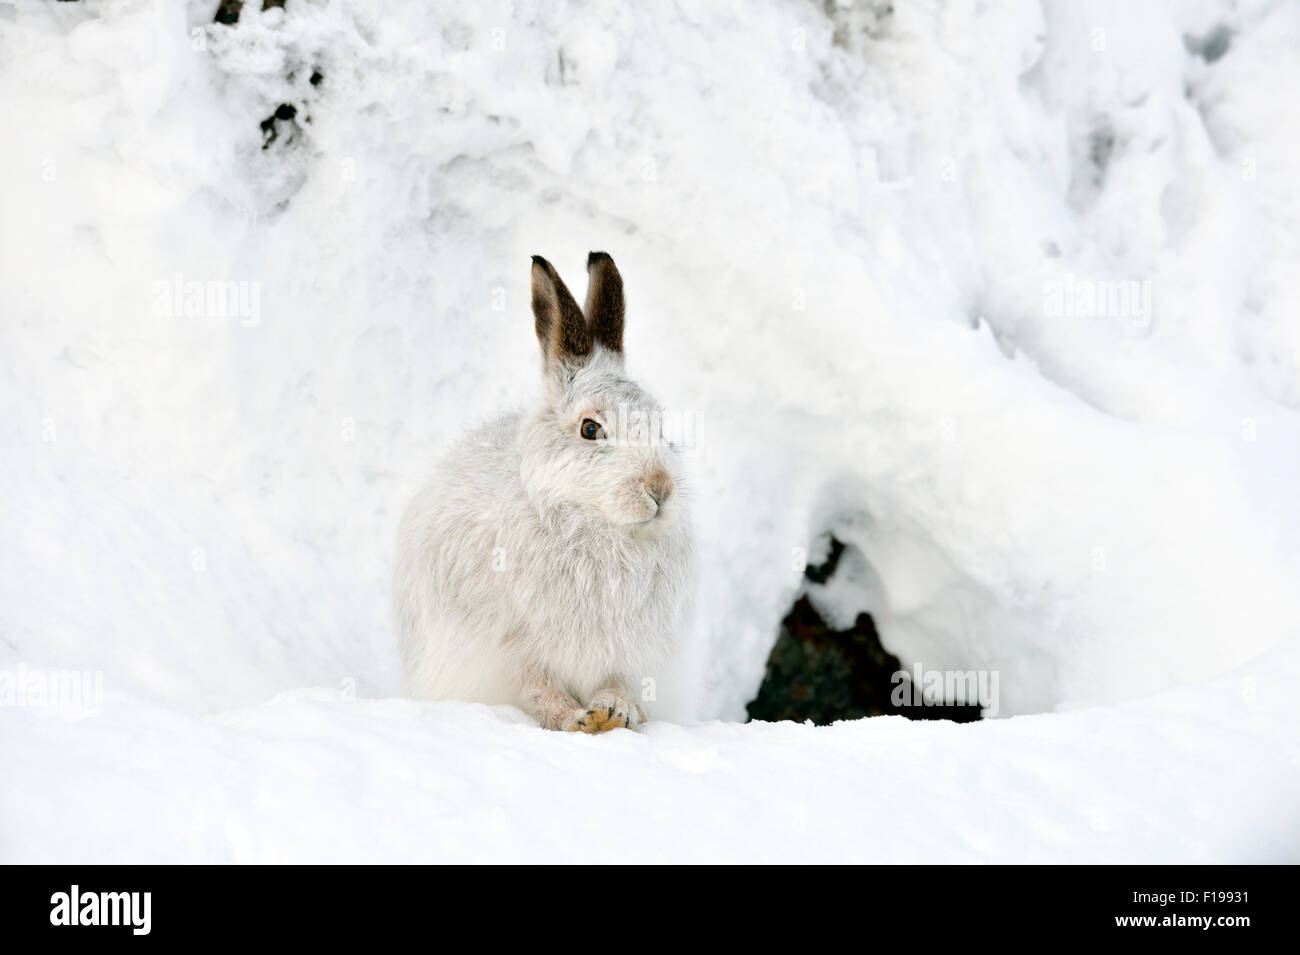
{"points": [[535, 559]]}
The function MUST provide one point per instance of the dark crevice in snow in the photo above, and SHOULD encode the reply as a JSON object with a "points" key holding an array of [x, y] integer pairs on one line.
{"points": [[859, 23], [818, 673], [284, 113], [228, 10], [1212, 46]]}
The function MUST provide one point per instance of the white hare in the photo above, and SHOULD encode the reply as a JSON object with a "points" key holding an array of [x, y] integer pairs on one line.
{"points": [[548, 562]]}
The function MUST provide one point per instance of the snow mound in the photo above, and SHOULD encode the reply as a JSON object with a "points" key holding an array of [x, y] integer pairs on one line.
{"points": [[1191, 776]]}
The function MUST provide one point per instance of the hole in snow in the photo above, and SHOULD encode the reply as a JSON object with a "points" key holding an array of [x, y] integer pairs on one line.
{"points": [[228, 10], [284, 113], [1212, 46], [820, 673]]}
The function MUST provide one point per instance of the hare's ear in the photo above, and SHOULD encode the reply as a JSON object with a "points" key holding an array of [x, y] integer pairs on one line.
{"points": [[605, 301], [561, 329]]}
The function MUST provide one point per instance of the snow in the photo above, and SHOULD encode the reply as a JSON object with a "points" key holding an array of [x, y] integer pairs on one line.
{"points": [[1190, 776], [863, 252]]}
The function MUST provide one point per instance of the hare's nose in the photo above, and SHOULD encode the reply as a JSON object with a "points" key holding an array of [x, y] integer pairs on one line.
{"points": [[659, 485]]}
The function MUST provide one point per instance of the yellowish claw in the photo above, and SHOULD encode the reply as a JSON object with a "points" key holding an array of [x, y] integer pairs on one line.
{"points": [[598, 720]]}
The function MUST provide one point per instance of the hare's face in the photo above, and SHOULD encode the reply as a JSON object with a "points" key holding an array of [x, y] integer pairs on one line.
{"points": [[596, 446], [598, 449]]}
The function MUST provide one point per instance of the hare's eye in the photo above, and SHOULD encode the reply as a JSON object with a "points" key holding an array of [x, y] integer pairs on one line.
{"points": [[591, 430]]}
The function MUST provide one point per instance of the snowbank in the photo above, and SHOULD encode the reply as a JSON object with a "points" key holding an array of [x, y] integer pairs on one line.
{"points": [[1195, 776]]}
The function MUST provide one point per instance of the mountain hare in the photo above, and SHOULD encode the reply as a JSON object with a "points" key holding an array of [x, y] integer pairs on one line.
{"points": [[548, 562]]}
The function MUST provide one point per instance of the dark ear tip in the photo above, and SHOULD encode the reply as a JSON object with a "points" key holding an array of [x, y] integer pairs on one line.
{"points": [[594, 257], [541, 262]]}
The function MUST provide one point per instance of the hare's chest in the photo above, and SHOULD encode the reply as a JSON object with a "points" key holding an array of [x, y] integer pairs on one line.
{"points": [[592, 619]]}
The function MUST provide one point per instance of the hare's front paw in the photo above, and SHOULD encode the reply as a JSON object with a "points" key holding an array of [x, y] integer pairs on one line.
{"points": [[607, 711]]}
